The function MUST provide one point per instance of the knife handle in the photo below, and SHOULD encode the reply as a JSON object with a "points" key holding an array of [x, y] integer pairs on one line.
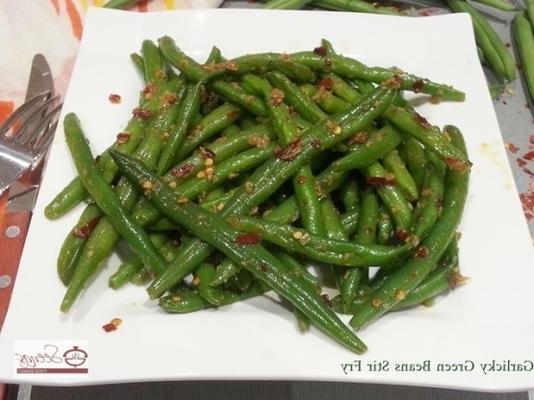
{"points": [[13, 229]]}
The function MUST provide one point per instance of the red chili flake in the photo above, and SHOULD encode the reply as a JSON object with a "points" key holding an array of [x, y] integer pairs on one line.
{"points": [[512, 147], [170, 98], [123, 137], [114, 98], [84, 231], [289, 152], [531, 139], [394, 82], [529, 156], [182, 171], [321, 51], [529, 216], [520, 162], [418, 86], [422, 120], [424, 13], [528, 171], [109, 327], [326, 84], [421, 252], [379, 181], [206, 153], [233, 115], [141, 112], [402, 234], [247, 239]]}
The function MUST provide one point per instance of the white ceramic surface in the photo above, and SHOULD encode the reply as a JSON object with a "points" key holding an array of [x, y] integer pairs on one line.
{"points": [[488, 319]]}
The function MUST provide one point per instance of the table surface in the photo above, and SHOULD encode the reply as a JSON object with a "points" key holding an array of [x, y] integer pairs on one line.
{"points": [[516, 120]]}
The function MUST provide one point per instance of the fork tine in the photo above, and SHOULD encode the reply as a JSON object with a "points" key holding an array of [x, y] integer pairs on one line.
{"points": [[49, 125], [27, 107], [30, 127]]}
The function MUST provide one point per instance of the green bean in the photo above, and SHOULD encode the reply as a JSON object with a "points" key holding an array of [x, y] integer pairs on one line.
{"points": [[385, 227], [525, 47], [212, 295], [325, 99], [241, 65], [494, 49], [217, 120], [377, 144], [234, 93], [352, 69], [325, 250], [188, 109], [407, 278], [394, 163], [285, 4], [298, 270], [342, 88], [120, 3], [356, 6], [392, 197], [153, 63], [272, 174], [530, 11], [224, 271], [74, 192], [72, 247], [213, 176], [242, 280], [138, 62], [265, 267], [215, 56], [228, 144], [429, 207], [133, 265], [363, 86], [368, 218], [183, 301], [503, 5], [302, 104], [413, 153], [418, 127], [284, 126], [109, 203], [350, 221], [350, 195], [308, 202]]}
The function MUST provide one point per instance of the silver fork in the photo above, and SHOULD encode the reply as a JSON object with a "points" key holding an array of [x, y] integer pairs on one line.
{"points": [[25, 136]]}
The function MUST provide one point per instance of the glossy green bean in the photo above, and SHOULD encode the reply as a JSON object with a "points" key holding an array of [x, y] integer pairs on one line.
{"points": [[356, 6], [285, 4], [377, 145], [394, 163], [325, 99], [189, 107], [407, 278], [109, 203], [413, 124], [253, 257], [154, 66], [368, 218], [392, 197], [352, 69], [325, 250], [350, 195], [273, 173], [350, 221], [525, 47], [302, 104]]}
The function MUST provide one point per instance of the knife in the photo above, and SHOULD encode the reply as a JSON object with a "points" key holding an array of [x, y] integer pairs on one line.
{"points": [[21, 197]]}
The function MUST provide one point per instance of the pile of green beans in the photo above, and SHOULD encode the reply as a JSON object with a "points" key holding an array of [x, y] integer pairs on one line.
{"points": [[234, 176]]}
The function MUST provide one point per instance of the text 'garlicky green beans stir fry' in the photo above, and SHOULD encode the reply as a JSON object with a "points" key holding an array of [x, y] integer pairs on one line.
{"points": [[234, 175]]}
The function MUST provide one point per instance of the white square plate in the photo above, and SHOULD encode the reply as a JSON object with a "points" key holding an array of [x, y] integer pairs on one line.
{"points": [[488, 319]]}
